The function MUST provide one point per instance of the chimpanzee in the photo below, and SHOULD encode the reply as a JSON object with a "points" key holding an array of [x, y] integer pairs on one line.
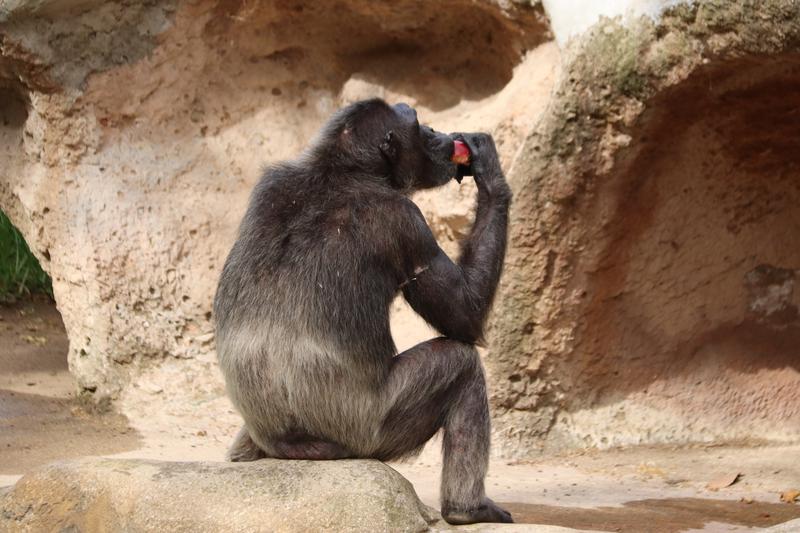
{"points": [[302, 308]]}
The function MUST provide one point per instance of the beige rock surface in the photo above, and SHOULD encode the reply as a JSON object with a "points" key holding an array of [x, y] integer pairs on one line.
{"points": [[649, 291], [138, 495], [133, 495]]}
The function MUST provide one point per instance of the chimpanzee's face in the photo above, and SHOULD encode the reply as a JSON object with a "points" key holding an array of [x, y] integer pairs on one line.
{"points": [[423, 156]]}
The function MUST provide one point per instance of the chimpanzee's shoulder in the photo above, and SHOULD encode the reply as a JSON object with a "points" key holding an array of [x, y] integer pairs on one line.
{"points": [[395, 211]]}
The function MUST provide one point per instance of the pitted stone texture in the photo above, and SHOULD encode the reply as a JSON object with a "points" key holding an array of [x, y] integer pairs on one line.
{"points": [[659, 184], [269, 495]]}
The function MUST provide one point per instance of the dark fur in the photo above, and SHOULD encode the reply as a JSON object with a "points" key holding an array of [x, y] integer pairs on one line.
{"points": [[302, 307]]}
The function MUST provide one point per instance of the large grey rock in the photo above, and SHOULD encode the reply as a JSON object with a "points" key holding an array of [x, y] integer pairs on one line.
{"points": [[139, 495], [135, 495]]}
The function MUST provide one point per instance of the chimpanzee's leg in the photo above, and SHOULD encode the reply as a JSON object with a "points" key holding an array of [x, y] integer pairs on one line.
{"points": [[440, 384]]}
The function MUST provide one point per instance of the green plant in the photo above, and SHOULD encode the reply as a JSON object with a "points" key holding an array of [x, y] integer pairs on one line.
{"points": [[20, 272]]}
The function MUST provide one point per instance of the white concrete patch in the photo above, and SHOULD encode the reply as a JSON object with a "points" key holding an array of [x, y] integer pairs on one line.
{"points": [[569, 18]]}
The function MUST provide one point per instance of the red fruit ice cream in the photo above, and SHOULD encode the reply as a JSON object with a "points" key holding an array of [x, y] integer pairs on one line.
{"points": [[460, 153]]}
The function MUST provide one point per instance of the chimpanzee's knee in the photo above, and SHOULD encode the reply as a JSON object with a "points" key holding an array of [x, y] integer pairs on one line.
{"points": [[461, 357]]}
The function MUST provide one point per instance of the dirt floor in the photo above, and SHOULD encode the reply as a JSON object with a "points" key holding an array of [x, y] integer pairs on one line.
{"points": [[41, 420], [658, 490]]}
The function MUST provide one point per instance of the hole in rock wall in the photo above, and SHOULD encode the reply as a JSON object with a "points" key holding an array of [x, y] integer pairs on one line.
{"points": [[33, 358], [41, 418], [34, 344], [13, 114], [693, 312]]}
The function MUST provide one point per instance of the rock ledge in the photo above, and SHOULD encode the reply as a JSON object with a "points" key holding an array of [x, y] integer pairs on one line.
{"points": [[140, 495]]}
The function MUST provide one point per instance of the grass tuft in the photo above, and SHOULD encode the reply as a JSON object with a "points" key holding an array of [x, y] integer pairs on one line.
{"points": [[20, 272]]}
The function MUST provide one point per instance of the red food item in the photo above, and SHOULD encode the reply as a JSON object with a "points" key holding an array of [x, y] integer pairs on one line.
{"points": [[460, 153]]}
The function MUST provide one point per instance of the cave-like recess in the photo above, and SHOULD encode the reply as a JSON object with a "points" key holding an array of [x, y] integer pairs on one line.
{"points": [[692, 309]]}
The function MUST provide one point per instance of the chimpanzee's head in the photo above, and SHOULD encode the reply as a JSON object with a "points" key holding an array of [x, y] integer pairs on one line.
{"points": [[389, 141]]}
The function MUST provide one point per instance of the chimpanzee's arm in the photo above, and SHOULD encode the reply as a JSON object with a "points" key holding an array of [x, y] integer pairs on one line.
{"points": [[455, 298]]}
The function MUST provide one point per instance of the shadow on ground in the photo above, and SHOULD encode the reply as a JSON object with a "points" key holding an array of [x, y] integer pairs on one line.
{"points": [[657, 516], [41, 420]]}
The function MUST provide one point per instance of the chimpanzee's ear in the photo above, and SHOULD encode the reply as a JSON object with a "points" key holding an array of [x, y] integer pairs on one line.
{"points": [[388, 146]]}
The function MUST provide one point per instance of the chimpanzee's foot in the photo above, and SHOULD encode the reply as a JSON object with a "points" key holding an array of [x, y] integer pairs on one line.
{"points": [[243, 455], [244, 449], [488, 511]]}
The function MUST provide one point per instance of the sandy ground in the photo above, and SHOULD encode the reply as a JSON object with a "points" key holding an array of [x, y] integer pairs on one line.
{"points": [[660, 490], [40, 418]]}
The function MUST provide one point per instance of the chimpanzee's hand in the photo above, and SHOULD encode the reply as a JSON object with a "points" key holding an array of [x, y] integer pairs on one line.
{"points": [[484, 164]]}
